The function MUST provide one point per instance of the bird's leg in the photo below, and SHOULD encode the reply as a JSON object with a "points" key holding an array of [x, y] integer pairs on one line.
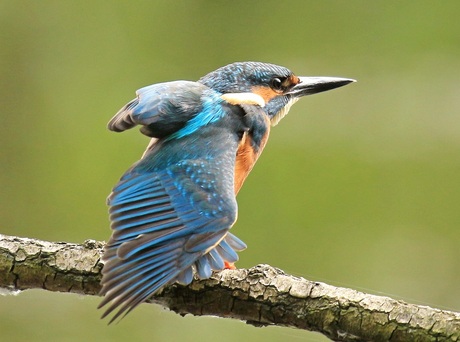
{"points": [[229, 265]]}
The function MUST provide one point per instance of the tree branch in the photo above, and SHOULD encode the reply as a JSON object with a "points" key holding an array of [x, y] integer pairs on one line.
{"points": [[261, 295]]}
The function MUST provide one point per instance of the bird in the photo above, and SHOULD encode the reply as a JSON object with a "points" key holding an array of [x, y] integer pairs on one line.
{"points": [[171, 212]]}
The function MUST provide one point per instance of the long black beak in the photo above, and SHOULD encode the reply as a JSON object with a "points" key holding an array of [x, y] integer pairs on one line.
{"points": [[313, 85]]}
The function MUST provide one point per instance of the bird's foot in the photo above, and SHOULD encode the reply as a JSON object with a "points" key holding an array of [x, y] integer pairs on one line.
{"points": [[229, 266]]}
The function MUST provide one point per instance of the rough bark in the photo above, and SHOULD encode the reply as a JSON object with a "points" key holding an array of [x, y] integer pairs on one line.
{"points": [[262, 295]]}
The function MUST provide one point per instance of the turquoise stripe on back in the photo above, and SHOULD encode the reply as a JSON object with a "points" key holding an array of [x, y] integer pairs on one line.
{"points": [[211, 112]]}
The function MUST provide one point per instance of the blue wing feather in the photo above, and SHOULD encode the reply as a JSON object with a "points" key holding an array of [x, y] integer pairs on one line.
{"points": [[203, 268], [215, 259], [185, 277]]}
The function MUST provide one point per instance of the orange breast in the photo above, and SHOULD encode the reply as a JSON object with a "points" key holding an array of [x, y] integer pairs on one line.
{"points": [[246, 157]]}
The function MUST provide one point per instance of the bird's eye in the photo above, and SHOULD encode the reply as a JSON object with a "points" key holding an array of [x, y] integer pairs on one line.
{"points": [[277, 84]]}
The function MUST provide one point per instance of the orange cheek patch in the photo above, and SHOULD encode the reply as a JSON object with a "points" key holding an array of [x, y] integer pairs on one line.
{"points": [[266, 93]]}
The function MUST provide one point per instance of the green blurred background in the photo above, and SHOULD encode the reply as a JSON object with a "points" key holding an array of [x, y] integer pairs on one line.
{"points": [[358, 187]]}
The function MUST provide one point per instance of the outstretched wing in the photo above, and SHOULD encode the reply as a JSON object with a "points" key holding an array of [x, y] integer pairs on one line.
{"points": [[163, 224], [170, 215], [161, 108]]}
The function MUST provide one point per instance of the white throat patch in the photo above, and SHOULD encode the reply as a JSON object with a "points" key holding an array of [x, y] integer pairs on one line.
{"points": [[282, 113]]}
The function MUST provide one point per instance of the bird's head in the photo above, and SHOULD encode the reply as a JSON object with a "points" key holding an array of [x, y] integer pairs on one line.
{"points": [[273, 87]]}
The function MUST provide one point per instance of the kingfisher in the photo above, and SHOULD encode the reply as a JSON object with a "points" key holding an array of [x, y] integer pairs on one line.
{"points": [[172, 211]]}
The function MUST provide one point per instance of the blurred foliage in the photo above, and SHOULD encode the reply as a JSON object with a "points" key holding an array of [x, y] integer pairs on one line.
{"points": [[358, 187]]}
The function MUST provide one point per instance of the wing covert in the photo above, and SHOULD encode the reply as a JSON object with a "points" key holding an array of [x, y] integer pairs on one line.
{"points": [[161, 108]]}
